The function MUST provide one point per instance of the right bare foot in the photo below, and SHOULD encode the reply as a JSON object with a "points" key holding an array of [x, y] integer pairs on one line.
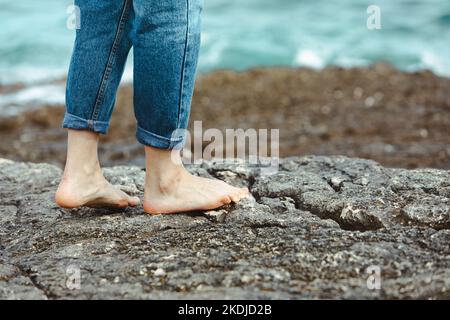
{"points": [[92, 192], [83, 183], [170, 188]]}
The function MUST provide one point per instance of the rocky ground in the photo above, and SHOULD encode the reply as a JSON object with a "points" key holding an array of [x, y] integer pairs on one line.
{"points": [[398, 119], [312, 230]]}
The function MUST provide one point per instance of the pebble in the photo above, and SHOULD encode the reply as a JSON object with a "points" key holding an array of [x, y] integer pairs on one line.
{"points": [[159, 272]]}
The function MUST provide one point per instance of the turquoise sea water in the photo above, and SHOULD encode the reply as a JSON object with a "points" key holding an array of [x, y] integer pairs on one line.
{"points": [[35, 43]]}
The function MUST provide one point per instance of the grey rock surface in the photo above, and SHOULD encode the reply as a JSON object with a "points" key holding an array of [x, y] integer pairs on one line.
{"points": [[321, 227]]}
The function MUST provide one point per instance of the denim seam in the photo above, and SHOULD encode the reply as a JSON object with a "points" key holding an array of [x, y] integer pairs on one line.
{"points": [[109, 65], [183, 73]]}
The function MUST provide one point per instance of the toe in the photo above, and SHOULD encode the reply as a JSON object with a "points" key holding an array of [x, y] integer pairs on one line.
{"points": [[133, 201], [235, 196], [244, 192], [129, 200], [225, 200]]}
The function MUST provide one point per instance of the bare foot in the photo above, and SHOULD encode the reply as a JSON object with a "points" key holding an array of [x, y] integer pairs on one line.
{"points": [[170, 188], [83, 183], [92, 192]]}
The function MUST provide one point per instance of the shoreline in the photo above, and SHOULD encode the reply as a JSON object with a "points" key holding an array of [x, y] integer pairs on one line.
{"points": [[400, 119]]}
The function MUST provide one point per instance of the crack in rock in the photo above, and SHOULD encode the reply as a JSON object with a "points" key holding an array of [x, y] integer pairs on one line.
{"points": [[33, 279]]}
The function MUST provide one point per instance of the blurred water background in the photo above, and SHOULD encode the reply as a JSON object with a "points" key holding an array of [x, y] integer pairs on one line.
{"points": [[35, 43]]}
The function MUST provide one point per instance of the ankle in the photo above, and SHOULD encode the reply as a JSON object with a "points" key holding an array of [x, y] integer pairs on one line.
{"points": [[164, 171], [164, 181], [86, 170]]}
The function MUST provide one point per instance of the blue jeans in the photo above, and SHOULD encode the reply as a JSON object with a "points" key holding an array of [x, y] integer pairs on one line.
{"points": [[165, 36]]}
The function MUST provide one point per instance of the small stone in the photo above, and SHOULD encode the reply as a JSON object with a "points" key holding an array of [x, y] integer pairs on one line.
{"points": [[143, 271], [349, 212], [336, 181], [159, 272], [423, 133], [216, 215], [369, 102], [246, 279], [389, 148], [364, 181]]}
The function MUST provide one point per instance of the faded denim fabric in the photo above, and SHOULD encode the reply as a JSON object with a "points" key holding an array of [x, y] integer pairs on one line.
{"points": [[165, 36]]}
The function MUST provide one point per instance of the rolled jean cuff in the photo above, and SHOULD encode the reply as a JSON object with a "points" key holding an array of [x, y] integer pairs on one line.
{"points": [[74, 122], [153, 140]]}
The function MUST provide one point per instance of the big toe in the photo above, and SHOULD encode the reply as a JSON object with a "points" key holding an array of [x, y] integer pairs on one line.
{"points": [[235, 196], [244, 192], [225, 199]]}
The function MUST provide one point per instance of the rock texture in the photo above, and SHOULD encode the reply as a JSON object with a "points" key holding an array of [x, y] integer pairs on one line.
{"points": [[312, 230]]}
